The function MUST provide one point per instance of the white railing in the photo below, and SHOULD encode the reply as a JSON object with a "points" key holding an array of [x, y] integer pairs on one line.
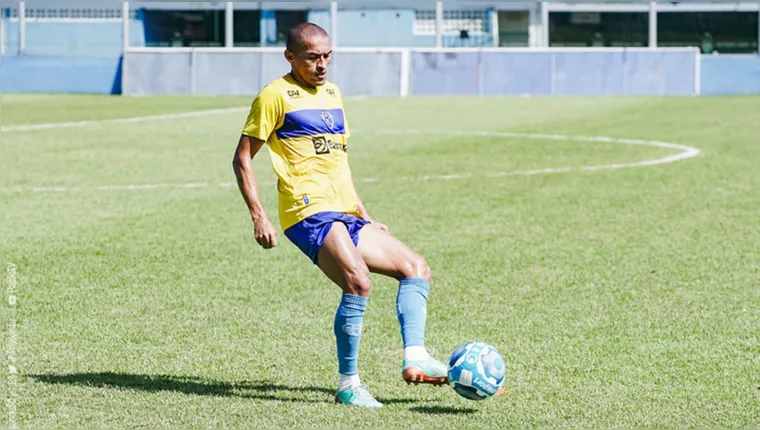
{"points": [[75, 14], [464, 15]]}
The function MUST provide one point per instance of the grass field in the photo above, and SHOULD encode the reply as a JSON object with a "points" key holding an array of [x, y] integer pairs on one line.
{"points": [[619, 297]]}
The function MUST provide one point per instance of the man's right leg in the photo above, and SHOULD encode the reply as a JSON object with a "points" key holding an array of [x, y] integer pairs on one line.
{"points": [[342, 262], [387, 255]]}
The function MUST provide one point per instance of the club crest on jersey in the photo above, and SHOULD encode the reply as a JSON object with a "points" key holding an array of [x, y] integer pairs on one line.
{"points": [[328, 119]]}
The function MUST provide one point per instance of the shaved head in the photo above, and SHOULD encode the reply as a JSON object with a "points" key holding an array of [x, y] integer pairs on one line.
{"points": [[300, 35], [308, 53]]}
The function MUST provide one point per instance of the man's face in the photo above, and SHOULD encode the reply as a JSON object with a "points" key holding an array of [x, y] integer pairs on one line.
{"points": [[310, 65]]}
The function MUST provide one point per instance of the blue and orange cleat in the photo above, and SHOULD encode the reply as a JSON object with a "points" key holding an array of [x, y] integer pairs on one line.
{"points": [[357, 396], [427, 371], [430, 371]]}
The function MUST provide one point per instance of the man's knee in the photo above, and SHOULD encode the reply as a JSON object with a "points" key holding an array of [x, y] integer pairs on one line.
{"points": [[357, 279], [417, 267]]}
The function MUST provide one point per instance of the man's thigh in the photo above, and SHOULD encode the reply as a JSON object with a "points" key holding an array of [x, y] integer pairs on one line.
{"points": [[386, 255], [338, 257]]}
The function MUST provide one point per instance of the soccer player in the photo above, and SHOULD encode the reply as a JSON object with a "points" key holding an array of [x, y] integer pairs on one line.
{"points": [[300, 118]]}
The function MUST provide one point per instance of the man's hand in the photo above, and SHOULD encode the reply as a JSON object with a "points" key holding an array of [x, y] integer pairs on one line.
{"points": [[380, 225], [265, 233]]}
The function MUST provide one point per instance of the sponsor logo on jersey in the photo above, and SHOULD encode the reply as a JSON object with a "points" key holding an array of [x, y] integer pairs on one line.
{"points": [[323, 145], [294, 94], [320, 145]]}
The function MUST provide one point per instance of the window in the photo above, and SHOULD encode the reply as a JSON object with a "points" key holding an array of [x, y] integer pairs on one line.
{"points": [[454, 21], [286, 20], [514, 28], [712, 32], [598, 29], [246, 27], [191, 28]]}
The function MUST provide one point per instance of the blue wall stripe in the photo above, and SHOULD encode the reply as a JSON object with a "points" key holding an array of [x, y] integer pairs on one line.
{"points": [[730, 74], [60, 74]]}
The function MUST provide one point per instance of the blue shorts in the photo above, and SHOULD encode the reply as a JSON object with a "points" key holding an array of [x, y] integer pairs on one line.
{"points": [[309, 234]]}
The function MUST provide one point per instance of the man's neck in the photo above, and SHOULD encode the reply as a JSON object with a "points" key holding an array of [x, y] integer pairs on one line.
{"points": [[301, 82]]}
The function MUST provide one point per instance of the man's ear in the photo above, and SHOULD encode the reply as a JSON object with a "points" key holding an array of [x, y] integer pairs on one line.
{"points": [[289, 55]]}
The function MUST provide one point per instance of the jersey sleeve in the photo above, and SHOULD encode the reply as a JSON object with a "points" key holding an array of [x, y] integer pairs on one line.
{"points": [[265, 115]]}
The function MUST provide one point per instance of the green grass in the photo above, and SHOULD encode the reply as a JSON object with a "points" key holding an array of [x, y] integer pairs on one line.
{"points": [[619, 298]]}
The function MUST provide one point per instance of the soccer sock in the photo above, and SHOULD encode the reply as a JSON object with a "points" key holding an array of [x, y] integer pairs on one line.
{"points": [[411, 309], [415, 353], [348, 332], [347, 381]]}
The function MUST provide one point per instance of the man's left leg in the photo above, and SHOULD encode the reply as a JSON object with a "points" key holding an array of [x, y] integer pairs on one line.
{"points": [[386, 255]]}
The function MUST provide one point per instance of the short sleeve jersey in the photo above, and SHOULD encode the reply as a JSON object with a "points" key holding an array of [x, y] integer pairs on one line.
{"points": [[307, 135]]}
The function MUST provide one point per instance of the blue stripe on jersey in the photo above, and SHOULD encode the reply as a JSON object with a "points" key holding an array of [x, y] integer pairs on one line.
{"points": [[310, 122]]}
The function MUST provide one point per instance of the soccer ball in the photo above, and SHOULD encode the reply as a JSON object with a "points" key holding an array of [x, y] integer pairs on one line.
{"points": [[476, 371]]}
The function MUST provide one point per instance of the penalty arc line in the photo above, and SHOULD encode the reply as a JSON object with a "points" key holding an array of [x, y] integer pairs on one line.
{"points": [[686, 153]]}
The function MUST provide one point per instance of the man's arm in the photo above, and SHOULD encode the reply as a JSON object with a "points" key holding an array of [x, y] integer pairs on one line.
{"points": [[264, 231]]}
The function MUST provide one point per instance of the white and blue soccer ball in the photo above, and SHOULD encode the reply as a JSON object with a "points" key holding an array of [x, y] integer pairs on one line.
{"points": [[476, 371]]}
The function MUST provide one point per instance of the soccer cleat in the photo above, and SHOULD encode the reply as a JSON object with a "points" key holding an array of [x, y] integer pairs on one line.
{"points": [[357, 396], [427, 371]]}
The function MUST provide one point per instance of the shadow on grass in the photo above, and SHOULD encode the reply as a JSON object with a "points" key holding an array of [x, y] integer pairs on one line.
{"points": [[196, 386], [442, 410]]}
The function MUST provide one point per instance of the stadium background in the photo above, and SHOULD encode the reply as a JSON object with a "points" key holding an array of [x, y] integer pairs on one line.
{"points": [[606, 246], [83, 46]]}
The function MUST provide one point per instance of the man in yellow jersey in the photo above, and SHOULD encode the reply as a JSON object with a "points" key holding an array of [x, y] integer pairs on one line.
{"points": [[300, 118]]}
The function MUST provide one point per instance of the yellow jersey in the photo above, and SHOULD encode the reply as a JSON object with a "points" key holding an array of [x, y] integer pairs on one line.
{"points": [[307, 135]]}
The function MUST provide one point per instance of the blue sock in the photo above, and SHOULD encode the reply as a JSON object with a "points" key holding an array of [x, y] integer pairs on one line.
{"points": [[348, 332], [411, 309]]}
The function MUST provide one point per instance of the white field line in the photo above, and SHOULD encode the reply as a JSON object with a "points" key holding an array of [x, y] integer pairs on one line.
{"points": [[685, 153], [137, 119], [127, 187]]}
